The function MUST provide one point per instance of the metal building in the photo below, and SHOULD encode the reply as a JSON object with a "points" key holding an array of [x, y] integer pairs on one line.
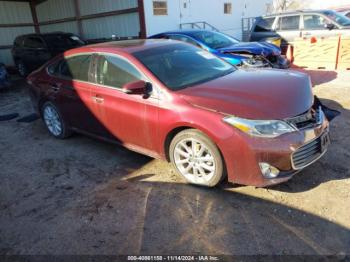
{"points": [[90, 19], [94, 19]]}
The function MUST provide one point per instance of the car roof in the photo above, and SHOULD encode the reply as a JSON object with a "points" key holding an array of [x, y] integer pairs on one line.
{"points": [[125, 46], [184, 31], [45, 34], [305, 11]]}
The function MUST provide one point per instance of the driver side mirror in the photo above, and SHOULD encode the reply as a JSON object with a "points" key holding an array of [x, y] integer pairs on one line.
{"points": [[137, 88], [329, 26]]}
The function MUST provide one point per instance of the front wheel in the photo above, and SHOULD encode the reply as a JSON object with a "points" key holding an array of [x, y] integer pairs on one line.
{"points": [[197, 158]]}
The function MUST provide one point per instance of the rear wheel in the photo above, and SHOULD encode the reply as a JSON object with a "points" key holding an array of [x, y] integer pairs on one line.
{"points": [[197, 158], [54, 121]]}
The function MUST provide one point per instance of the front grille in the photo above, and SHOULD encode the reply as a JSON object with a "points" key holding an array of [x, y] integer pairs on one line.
{"points": [[308, 153], [305, 120]]}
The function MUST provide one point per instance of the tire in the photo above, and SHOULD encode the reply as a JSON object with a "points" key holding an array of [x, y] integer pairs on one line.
{"points": [[206, 167], [54, 121], [22, 68]]}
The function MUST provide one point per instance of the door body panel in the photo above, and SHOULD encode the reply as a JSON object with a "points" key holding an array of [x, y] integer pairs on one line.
{"points": [[131, 119], [76, 105]]}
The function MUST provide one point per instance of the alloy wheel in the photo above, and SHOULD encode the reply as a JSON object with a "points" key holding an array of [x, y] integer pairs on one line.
{"points": [[194, 160], [52, 120]]}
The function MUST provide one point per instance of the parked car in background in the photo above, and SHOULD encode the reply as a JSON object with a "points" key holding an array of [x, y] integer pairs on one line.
{"points": [[4, 77], [237, 53], [33, 50], [305, 24], [171, 100]]}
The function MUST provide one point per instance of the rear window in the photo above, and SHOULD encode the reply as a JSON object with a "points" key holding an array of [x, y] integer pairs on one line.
{"points": [[63, 41], [34, 42], [264, 24], [289, 23], [184, 39]]}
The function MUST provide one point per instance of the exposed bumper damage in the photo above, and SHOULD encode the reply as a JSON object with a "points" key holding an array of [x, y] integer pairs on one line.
{"points": [[329, 113], [261, 61]]}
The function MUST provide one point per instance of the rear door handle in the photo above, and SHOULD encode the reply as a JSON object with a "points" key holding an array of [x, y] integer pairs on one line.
{"points": [[307, 33], [55, 87], [98, 100]]}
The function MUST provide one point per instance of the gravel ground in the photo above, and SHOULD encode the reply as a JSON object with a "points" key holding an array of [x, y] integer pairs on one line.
{"points": [[82, 196]]}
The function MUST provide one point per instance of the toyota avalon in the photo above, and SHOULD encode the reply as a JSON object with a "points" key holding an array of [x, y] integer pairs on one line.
{"points": [[174, 101]]}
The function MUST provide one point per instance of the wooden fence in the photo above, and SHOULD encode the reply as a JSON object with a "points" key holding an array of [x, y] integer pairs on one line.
{"points": [[322, 53]]}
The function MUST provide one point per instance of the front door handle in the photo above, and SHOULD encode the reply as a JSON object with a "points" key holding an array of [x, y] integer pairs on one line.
{"points": [[307, 33], [98, 100]]}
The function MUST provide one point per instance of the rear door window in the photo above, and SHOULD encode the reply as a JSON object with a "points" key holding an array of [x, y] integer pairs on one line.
{"points": [[76, 68], [314, 22], [264, 24], [287, 23]]}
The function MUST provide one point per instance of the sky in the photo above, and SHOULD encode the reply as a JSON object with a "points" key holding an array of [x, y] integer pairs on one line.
{"points": [[310, 4], [314, 4]]}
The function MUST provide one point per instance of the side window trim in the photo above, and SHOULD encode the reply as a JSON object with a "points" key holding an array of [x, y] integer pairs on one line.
{"points": [[101, 55], [155, 91], [93, 71]]}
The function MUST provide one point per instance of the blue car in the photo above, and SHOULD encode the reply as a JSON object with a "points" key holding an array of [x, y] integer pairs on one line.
{"points": [[245, 54]]}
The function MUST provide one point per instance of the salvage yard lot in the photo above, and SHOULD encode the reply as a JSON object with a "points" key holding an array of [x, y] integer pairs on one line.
{"points": [[82, 196]]}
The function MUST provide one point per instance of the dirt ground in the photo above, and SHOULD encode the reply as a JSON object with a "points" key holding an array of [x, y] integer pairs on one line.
{"points": [[82, 196]]}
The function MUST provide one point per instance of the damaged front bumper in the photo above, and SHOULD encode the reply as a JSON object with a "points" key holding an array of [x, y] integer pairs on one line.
{"points": [[272, 161]]}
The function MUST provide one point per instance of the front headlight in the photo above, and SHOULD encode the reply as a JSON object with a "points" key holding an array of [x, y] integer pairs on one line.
{"points": [[260, 128]]}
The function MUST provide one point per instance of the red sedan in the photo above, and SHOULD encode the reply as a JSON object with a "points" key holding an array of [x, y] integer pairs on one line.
{"points": [[171, 100]]}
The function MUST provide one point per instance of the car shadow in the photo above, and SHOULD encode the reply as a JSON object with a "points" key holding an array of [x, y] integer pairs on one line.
{"points": [[173, 218]]}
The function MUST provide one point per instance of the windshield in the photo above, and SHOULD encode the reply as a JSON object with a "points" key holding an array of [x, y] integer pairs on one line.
{"points": [[215, 40], [179, 65], [338, 18], [63, 41]]}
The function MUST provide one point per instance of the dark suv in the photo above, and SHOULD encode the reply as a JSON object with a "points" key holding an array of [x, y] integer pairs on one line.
{"points": [[33, 50], [305, 24]]}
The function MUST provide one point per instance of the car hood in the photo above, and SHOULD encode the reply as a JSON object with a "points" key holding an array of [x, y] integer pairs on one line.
{"points": [[256, 48], [254, 94]]}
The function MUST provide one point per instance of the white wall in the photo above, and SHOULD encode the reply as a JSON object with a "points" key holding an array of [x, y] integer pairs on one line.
{"points": [[210, 11]]}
